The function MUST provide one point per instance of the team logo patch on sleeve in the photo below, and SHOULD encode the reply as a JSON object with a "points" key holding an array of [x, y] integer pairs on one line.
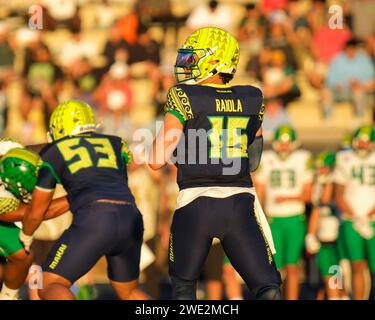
{"points": [[178, 104]]}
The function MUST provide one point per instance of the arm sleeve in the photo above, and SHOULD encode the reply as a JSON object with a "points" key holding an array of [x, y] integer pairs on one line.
{"points": [[178, 104], [50, 170], [255, 153], [126, 154], [261, 111], [309, 169]]}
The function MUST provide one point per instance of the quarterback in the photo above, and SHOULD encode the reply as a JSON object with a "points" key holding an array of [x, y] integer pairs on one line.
{"points": [[216, 198]]}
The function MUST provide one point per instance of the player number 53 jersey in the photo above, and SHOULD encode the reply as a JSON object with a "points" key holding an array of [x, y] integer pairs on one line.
{"points": [[90, 167], [284, 178]]}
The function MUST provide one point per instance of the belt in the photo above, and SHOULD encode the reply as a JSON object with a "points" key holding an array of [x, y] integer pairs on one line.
{"points": [[114, 201]]}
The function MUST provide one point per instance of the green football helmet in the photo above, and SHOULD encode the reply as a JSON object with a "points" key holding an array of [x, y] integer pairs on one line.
{"points": [[19, 172], [285, 141], [325, 159], [363, 140], [205, 53], [70, 118], [346, 143], [324, 165]]}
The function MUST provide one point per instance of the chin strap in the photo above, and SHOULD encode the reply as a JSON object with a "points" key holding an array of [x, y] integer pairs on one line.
{"points": [[211, 74]]}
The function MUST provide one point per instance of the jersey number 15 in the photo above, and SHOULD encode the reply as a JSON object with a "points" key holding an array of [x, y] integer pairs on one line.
{"points": [[228, 137]]}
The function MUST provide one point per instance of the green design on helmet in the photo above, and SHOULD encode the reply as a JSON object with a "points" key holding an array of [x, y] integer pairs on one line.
{"points": [[366, 132], [70, 118], [205, 53], [285, 141], [19, 171], [363, 140], [326, 159]]}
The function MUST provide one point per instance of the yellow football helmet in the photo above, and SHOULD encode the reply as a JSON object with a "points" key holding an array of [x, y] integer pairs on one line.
{"points": [[70, 118], [205, 53], [285, 141]]}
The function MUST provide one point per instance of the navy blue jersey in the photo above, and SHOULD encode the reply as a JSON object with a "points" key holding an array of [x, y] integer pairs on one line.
{"points": [[220, 122], [90, 167]]}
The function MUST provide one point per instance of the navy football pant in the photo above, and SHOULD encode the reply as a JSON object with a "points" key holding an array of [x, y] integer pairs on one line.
{"points": [[233, 221], [101, 229]]}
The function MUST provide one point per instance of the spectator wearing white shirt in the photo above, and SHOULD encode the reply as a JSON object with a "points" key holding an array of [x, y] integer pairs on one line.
{"points": [[213, 14], [75, 50]]}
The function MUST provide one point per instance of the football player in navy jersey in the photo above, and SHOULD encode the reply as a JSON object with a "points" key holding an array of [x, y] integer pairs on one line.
{"points": [[92, 169], [214, 132]]}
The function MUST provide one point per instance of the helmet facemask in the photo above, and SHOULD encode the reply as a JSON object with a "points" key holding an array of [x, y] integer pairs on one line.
{"points": [[206, 52], [362, 147], [186, 67], [363, 141], [284, 148], [19, 172]]}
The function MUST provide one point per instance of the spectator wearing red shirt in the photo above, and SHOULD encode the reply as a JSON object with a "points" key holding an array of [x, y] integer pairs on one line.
{"points": [[270, 5], [325, 45]]}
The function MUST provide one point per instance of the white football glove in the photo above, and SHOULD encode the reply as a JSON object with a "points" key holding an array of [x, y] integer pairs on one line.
{"points": [[312, 243], [26, 241], [363, 226]]}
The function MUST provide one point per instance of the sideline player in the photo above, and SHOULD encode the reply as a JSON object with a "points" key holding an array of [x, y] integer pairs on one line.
{"points": [[18, 171], [284, 183], [216, 198], [323, 235], [354, 179], [106, 222]]}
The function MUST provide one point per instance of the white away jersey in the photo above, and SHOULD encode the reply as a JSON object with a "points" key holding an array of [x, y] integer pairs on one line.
{"points": [[284, 178], [358, 176]]}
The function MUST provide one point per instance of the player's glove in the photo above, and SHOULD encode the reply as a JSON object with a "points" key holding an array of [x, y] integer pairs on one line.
{"points": [[312, 243], [363, 226], [26, 241]]}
